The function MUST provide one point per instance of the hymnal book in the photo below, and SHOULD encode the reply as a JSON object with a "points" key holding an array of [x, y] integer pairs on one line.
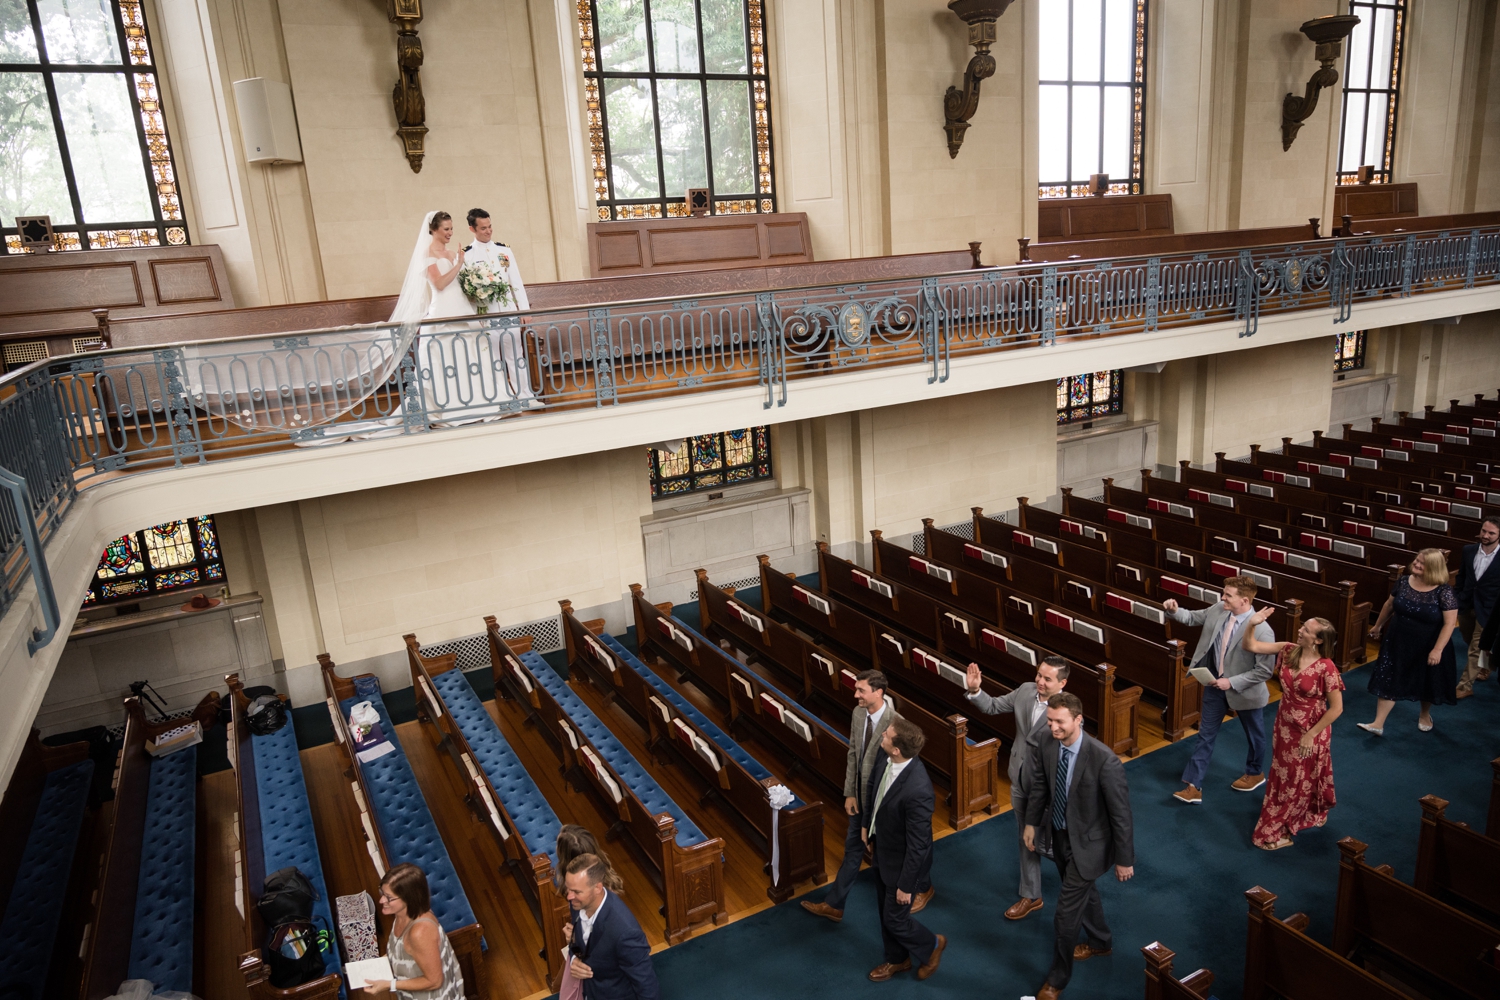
{"points": [[1202, 675], [368, 970]]}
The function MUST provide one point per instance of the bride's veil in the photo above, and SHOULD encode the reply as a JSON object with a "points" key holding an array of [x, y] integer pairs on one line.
{"points": [[416, 292], [298, 384]]}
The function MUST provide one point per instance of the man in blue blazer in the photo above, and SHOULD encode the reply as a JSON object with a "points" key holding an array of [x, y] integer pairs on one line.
{"points": [[607, 950], [898, 828], [1478, 590]]}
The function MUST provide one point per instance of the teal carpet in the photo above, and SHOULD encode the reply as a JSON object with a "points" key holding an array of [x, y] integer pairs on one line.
{"points": [[1193, 864]]}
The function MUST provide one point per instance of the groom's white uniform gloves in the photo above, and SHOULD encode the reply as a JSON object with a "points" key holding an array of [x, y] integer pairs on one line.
{"points": [[508, 341]]}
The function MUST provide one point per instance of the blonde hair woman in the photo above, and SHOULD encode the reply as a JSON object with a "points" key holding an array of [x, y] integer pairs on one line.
{"points": [[1416, 658]]}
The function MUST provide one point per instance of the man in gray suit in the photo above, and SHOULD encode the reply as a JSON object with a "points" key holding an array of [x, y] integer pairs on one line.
{"points": [[873, 714], [1078, 789], [1240, 684], [1029, 705]]}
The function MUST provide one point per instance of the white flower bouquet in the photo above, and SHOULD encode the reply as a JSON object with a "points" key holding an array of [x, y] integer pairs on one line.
{"points": [[483, 286]]}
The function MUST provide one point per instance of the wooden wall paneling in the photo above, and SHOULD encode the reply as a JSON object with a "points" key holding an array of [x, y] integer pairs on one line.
{"points": [[640, 246], [1363, 201], [1104, 217]]}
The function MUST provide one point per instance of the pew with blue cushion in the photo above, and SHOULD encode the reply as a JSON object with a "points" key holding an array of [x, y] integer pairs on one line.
{"points": [[502, 795], [405, 831], [275, 831], [686, 864], [41, 818], [752, 700], [732, 774], [143, 925], [971, 769]]}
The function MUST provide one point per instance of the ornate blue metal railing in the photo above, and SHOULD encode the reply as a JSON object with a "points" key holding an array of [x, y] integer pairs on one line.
{"points": [[66, 423]]}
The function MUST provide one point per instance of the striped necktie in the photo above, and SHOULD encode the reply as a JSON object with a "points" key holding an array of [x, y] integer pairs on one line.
{"points": [[1060, 791]]}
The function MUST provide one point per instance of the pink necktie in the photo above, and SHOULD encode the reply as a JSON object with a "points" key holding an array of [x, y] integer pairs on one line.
{"points": [[1224, 642]]}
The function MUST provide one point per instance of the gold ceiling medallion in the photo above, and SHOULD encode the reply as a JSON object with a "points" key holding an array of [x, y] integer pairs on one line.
{"points": [[411, 106], [959, 105], [1328, 33]]}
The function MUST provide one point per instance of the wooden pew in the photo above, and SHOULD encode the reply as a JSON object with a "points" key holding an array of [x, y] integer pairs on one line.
{"points": [[971, 769], [732, 775], [44, 875], [1335, 603], [1455, 863], [388, 783], [442, 692], [685, 864], [1104, 217], [1283, 963], [1406, 935], [294, 843], [1416, 224], [1162, 985], [1368, 202], [1180, 244], [1109, 708], [1157, 666], [109, 941]]}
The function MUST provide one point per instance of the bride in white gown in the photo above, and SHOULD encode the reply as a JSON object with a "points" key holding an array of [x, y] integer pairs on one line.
{"points": [[443, 265]]}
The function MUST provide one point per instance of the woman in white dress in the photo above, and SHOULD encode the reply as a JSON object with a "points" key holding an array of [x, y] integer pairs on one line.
{"points": [[448, 298]]}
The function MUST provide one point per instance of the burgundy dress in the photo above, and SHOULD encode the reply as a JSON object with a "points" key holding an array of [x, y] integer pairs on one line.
{"points": [[1299, 792]]}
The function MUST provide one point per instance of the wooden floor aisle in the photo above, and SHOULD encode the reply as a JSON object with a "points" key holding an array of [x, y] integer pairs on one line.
{"points": [[516, 969]]}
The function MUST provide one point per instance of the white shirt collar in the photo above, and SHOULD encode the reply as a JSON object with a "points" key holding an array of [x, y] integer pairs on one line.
{"points": [[586, 922], [874, 717]]}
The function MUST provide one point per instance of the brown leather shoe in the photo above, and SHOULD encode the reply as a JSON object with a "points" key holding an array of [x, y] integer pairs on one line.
{"points": [[1048, 992], [1083, 952], [1022, 907], [1248, 782], [1192, 796], [886, 970], [930, 966], [920, 900], [1463, 693], [823, 910]]}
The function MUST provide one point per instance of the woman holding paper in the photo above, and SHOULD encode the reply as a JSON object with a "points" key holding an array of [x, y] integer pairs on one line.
{"points": [[1300, 791], [421, 958]]}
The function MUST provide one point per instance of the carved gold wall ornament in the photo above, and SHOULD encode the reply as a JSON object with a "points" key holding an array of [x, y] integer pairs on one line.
{"points": [[411, 106], [959, 105], [1328, 33]]}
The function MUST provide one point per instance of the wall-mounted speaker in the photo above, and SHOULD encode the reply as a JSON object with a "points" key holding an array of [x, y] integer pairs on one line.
{"points": [[268, 122]]}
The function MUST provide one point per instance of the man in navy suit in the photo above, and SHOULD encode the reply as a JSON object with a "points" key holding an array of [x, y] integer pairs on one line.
{"points": [[899, 832], [1477, 589], [607, 951]]}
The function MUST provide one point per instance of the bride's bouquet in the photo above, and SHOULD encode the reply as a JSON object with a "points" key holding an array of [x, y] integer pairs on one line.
{"points": [[483, 286]]}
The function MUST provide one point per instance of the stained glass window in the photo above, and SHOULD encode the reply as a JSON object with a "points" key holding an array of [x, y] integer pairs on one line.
{"points": [[1090, 395], [710, 461], [678, 97], [1372, 84], [82, 134], [161, 558], [1349, 352], [1092, 95]]}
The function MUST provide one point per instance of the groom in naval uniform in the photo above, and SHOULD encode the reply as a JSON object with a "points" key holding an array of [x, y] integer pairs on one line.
{"points": [[505, 334]]}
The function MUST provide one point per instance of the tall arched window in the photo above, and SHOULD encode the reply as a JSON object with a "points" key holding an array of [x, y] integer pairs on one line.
{"points": [[82, 137], [1372, 85], [1092, 95], [678, 98]]}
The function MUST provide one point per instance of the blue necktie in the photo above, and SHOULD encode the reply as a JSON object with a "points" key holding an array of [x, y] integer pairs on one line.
{"points": [[1060, 792]]}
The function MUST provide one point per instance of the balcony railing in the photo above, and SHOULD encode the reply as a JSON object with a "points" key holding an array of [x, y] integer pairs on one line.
{"points": [[69, 422]]}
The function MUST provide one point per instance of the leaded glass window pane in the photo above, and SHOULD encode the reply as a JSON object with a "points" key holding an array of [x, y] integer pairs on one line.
{"points": [[709, 461], [677, 93], [1090, 395], [1091, 99], [1372, 86], [84, 138], [1349, 352], [161, 558]]}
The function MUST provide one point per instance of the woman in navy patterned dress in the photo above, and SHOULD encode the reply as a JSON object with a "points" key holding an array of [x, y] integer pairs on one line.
{"points": [[1416, 658]]}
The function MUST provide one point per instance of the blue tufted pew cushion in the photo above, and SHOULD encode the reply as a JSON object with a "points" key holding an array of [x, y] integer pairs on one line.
{"points": [[726, 743], [35, 907], [652, 795], [161, 947], [781, 695], [286, 822], [537, 823], [406, 824]]}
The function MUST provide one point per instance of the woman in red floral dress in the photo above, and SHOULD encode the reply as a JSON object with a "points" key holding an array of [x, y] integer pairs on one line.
{"points": [[1300, 790]]}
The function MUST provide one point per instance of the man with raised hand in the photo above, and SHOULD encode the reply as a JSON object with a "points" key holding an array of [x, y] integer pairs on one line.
{"points": [[1028, 703]]}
